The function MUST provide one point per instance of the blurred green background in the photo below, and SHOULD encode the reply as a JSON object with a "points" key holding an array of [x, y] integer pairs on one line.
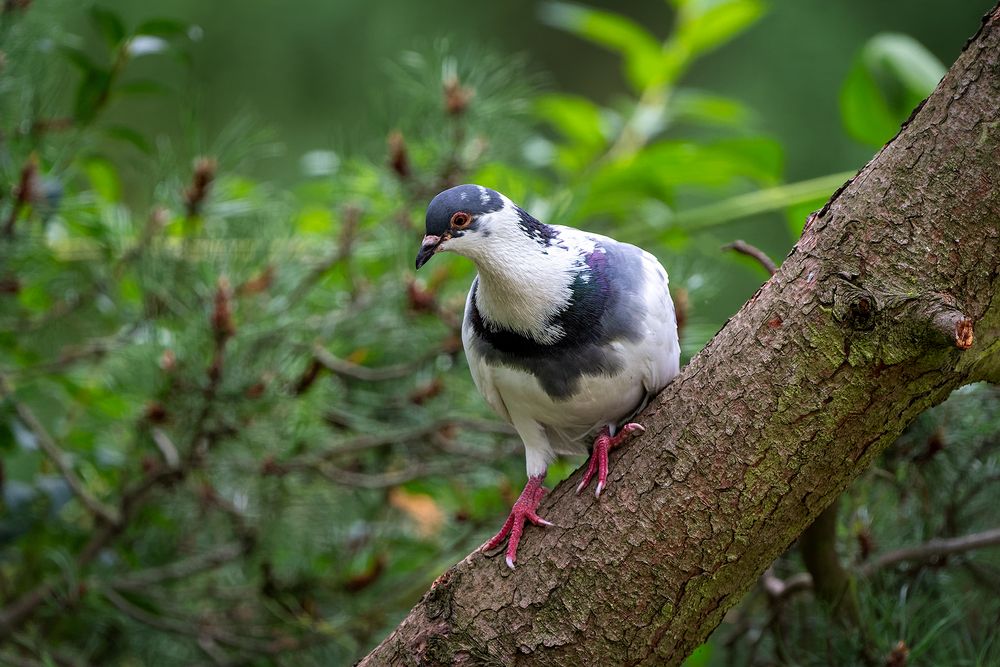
{"points": [[318, 70], [237, 429]]}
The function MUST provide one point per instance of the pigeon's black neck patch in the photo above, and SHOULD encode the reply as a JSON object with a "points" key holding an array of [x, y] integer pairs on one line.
{"points": [[472, 199], [579, 321], [539, 232]]}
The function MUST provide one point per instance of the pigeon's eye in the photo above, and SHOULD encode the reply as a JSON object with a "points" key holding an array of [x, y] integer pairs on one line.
{"points": [[460, 220]]}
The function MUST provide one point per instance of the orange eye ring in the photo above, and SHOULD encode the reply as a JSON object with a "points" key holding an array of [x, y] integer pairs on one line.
{"points": [[460, 219]]}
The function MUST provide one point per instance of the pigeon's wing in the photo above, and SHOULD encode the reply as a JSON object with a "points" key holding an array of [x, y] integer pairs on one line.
{"points": [[641, 307], [659, 350], [478, 367]]}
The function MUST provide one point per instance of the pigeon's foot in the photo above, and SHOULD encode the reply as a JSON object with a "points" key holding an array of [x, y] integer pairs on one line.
{"points": [[523, 510], [604, 443]]}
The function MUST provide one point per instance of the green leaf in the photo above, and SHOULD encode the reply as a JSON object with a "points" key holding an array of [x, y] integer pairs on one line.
{"points": [[701, 108], [78, 58], [799, 212], [91, 94], [166, 28], [642, 51], [519, 184], [703, 25], [718, 23], [142, 87], [130, 136], [130, 291], [109, 25], [658, 170], [752, 203], [34, 298], [715, 164], [759, 158], [891, 75], [315, 220], [579, 122], [577, 118], [103, 178]]}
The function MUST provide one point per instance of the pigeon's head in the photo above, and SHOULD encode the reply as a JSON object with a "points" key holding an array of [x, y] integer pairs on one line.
{"points": [[468, 220]]}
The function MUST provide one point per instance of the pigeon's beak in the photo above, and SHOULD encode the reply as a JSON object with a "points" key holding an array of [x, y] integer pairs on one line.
{"points": [[428, 248]]}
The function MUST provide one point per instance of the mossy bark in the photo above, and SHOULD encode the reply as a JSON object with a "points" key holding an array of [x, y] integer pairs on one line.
{"points": [[888, 302]]}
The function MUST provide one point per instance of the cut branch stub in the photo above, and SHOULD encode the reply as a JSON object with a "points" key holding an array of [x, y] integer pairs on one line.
{"points": [[942, 320], [955, 327]]}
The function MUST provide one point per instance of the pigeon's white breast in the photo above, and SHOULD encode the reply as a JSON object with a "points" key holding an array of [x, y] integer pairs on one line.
{"points": [[599, 400]]}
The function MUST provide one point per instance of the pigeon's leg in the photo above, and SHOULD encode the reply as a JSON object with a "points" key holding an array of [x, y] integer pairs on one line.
{"points": [[523, 510], [604, 443]]}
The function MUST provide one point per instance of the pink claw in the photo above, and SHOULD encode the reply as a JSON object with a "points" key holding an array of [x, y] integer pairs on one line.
{"points": [[604, 443], [523, 510]]}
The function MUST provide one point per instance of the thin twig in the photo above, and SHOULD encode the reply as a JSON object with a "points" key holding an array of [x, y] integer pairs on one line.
{"points": [[380, 480], [349, 369], [92, 349], [320, 461], [182, 627], [24, 194], [167, 448], [214, 653], [933, 549], [59, 458], [745, 248], [368, 441], [180, 569], [779, 589], [937, 548]]}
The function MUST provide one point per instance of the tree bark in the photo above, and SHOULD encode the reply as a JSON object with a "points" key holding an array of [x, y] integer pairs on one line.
{"points": [[888, 302]]}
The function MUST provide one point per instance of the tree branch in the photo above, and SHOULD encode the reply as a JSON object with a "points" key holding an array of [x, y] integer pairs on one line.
{"points": [[830, 580], [932, 550], [354, 371], [778, 589], [181, 569], [59, 458], [820, 371], [188, 628], [756, 253]]}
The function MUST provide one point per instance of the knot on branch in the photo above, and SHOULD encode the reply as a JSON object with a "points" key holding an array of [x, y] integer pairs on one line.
{"points": [[854, 306], [861, 313]]}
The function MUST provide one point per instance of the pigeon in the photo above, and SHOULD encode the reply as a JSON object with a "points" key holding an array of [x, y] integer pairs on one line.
{"points": [[568, 334]]}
